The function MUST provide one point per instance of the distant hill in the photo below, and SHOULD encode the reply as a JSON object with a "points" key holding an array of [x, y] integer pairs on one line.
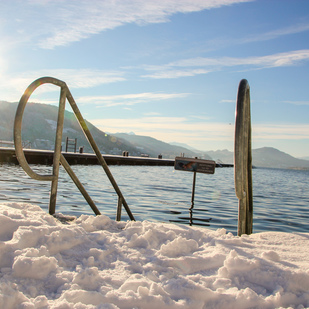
{"points": [[185, 146], [223, 156], [271, 157], [150, 146], [304, 158], [39, 127], [263, 157]]}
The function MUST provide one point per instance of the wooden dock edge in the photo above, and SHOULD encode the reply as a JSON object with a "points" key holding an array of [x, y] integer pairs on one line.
{"points": [[45, 157]]}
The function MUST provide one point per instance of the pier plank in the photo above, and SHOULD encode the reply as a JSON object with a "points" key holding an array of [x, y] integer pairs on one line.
{"points": [[45, 157]]}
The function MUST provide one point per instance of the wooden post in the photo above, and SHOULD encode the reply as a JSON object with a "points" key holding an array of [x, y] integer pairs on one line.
{"points": [[243, 159]]}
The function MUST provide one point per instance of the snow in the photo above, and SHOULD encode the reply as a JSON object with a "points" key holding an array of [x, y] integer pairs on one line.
{"points": [[95, 262]]}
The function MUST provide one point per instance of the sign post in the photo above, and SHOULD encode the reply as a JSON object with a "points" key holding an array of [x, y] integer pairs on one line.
{"points": [[195, 166], [193, 191]]}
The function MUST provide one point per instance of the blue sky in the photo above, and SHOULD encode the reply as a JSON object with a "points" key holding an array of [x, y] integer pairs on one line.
{"points": [[166, 69]]}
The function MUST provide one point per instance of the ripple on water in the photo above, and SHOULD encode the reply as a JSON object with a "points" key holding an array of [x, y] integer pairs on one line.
{"points": [[162, 194]]}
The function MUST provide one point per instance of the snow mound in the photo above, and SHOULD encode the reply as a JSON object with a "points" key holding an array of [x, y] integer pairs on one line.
{"points": [[95, 262]]}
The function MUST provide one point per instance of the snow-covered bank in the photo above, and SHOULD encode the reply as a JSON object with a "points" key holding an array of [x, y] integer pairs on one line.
{"points": [[94, 262]]}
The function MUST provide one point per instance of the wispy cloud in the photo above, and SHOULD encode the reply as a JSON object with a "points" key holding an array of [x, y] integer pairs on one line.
{"points": [[223, 42], [228, 101], [129, 99], [72, 21], [281, 131], [169, 128], [201, 65], [176, 73], [275, 33], [297, 102], [209, 130], [83, 78], [201, 134]]}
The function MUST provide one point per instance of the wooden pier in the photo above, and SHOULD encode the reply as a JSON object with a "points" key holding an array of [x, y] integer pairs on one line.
{"points": [[45, 157]]}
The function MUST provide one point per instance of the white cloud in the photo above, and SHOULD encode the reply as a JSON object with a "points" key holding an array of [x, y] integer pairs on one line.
{"points": [[129, 99], [57, 23], [169, 128], [176, 73], [200, 65], [276, 33], [223, 42], [14, 87], [257, 37], [228, 101], [280, 132], [297, 102], [280, 59], [210, 130], [202, 134]]}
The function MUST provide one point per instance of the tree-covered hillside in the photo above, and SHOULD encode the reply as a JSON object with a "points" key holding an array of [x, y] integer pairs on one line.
{"points": [[39, 129]]}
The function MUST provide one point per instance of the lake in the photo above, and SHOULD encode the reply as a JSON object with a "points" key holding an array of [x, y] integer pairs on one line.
{"points": [[157, 193]]}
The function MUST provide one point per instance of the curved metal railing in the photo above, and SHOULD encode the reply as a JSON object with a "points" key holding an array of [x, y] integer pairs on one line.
{"points": [[58, 159], [243, 159]]}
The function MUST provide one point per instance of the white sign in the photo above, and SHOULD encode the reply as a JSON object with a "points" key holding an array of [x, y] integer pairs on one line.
{"points": [[195, 165]]}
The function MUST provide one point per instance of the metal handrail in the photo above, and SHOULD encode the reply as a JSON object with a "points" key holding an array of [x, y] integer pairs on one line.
{"points": [[58, 157], [243, 159]]}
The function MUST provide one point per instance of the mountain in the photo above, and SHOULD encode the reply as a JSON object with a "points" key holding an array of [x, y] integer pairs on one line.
{"points": [[263, 157], [222, 156], [39, 127], [7, 114], [271, 157], [151, 146], [185, 146], [304, 158]]}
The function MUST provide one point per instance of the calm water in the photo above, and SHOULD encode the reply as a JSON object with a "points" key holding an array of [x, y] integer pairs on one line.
{"points": [[281, 197]]}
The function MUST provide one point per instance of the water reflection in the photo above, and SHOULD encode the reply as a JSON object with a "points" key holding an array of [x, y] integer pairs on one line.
{"points": [[281, 197], [192, 220]]}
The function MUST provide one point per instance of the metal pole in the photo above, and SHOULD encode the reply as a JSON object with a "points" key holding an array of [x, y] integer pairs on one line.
{"points": [[65, 94], [97, 152], [193, 190], [243, 159], [57, 152], [18, 125], [79, 185], [118, 216]]}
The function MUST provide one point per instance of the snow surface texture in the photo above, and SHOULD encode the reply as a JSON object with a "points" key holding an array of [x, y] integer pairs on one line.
{"points": [[95, 262]]}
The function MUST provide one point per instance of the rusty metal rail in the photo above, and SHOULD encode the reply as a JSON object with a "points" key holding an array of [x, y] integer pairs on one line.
{"points": [[58, 159], [243, 159]]}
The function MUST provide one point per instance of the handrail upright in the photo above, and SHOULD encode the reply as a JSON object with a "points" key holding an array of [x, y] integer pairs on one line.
{"points": [[243, 159], [58, 157], [98, 153], [57, 151]]}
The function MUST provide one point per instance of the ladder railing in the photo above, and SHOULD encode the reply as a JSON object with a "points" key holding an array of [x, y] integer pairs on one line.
{"points": [[58, 159], [243, 159], [70, 143]]}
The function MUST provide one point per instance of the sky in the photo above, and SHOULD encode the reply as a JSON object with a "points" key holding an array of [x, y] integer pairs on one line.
{"points": [[166, 69]]}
